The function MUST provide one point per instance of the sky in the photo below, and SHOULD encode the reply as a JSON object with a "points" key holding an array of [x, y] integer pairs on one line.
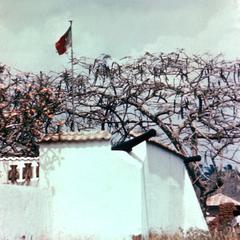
{"points": [[30, 28]]}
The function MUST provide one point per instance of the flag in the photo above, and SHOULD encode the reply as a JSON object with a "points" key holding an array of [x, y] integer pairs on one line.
{"points": [[64, 42]]}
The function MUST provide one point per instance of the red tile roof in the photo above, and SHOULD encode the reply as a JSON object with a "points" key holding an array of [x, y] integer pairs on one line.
{"points": [[76, 137]]}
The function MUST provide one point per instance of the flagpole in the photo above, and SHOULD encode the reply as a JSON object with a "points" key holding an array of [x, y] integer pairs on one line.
{"points": [[72, 73]]}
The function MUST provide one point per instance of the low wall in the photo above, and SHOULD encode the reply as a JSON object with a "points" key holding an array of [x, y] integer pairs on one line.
{"points": [[24, 211], [22, 173]]}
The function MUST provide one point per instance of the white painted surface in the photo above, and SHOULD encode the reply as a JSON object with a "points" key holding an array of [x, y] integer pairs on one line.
{"points": [[95, 191], [171, 202], [192, 211], [87, 190], [4, 168], [24, 211]]}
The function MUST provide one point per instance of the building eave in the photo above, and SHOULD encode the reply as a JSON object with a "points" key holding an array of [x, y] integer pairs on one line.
{"points": [[75, 137]]}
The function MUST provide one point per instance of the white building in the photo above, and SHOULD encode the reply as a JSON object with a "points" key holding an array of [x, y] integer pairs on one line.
{"points": [[170, 199], [88, 191], [95, 191]]}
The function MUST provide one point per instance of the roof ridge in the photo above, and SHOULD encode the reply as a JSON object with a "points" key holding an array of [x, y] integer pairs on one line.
{"points": [[76, 136]]}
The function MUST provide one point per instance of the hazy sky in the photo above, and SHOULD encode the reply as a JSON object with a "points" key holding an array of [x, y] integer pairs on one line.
{"points": [[29, 29]]}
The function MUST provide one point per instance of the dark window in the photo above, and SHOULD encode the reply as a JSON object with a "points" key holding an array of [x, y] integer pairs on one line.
{"points": [[27, 172], [13, 174]]}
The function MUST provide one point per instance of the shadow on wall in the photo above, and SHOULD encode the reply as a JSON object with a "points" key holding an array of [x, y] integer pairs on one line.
{"points": [[52, 159]]}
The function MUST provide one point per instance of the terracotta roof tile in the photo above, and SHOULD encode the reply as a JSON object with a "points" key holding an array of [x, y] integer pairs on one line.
{"points": [[76, 137]]}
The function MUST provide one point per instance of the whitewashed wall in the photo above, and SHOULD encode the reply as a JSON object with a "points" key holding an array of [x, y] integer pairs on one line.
{"points": [[95, 191], [24, 211], [87, 190], [171, 202]]}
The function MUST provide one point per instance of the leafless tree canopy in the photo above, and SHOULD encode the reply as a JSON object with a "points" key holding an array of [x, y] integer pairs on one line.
{"points": [[192, 102], [28, 104]]}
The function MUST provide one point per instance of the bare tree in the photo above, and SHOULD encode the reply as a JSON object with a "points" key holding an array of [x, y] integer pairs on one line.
{"points": [[28, 104], [191, 101]]}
